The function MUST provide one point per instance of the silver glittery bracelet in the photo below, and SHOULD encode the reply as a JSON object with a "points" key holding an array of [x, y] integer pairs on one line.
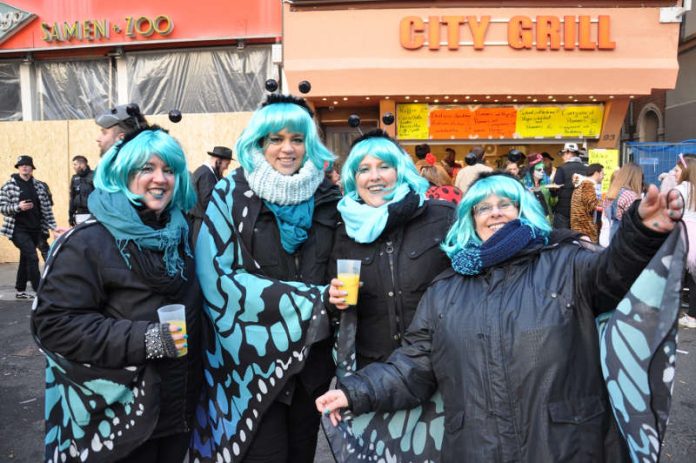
{"points": [[159, 343]]}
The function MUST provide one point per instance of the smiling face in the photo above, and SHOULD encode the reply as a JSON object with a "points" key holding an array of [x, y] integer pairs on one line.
{"points": [[491, 214], [374, 180], [154, 182], [284, 151]]}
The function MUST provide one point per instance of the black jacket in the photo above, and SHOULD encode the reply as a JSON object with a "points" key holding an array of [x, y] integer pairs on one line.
{"points": [[310, 265], [93, 309], [81, 185], [564, 176], [396, 269], [515, 354]]}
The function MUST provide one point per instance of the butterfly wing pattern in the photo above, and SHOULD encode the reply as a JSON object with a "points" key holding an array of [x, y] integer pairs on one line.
{"points": [[638, 343], [260, 328], [404, 436]]}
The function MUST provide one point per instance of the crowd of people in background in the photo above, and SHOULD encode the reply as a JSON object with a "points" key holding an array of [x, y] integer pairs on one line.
{"points": [[252, 256]]}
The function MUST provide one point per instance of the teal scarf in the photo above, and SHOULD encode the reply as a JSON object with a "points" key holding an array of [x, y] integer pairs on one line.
{"points": [[365, 223], [294, 222], [117, 214]]}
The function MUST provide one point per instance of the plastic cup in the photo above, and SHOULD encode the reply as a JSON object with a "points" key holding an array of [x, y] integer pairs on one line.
{"points": [[174, 314], [349, 273]]}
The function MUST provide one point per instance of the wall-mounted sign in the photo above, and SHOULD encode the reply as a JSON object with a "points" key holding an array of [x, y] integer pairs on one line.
{"points": [[97, 29], [523, 32], [12, 20], [417, 121]]}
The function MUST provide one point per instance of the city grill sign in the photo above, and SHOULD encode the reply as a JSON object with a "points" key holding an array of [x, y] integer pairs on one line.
{"points": [[523, 32], [12, 20]]}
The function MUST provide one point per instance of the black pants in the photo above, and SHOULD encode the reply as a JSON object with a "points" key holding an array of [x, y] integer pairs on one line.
{"points": [[169, 449], [28, 269], [287, 433]]}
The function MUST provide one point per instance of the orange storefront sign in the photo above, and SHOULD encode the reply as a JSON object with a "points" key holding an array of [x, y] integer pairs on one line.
{"points": [[91, 23], [523, 32]]}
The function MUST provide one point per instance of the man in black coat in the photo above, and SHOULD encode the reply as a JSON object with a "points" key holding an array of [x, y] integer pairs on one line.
{"points": [[204, 180], [564, 177], [81, 185]]}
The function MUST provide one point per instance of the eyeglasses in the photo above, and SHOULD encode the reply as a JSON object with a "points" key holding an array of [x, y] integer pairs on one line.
{"points": [[484, 209]]}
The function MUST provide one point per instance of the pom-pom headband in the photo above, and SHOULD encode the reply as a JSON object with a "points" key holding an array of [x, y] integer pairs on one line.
{"points": [[275, 98]]}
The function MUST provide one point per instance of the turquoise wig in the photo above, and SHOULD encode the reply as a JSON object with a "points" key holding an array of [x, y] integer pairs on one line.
{"points": [[124, 159], [388, 151], [464, 229], [273, 118]]}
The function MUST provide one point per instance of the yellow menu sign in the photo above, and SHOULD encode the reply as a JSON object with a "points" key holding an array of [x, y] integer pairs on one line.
{"points": [[582, 121], [539, 121], [609, 159], [412, 121]]}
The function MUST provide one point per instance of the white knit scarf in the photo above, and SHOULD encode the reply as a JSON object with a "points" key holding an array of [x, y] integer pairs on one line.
{"points": [[280, 189]]}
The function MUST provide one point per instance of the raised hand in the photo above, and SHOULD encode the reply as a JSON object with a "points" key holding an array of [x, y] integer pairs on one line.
{"points": [[660, 212]]}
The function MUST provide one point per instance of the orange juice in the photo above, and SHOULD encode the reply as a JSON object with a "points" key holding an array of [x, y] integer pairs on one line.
{"points": [[351, 283], [181, 324]]}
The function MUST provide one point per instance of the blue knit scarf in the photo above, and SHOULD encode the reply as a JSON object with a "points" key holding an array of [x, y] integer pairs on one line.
{"points": [[507, 242], [365, 223], [294, 222], [117, 214]]}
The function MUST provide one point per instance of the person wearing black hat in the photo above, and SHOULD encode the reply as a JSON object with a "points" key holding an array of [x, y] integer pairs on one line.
{"points": [[564, 179], [118, 122], [204, 180], [26, 205]]}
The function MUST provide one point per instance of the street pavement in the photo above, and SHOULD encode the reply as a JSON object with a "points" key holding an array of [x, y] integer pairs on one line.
{"points": [[21, 390]]}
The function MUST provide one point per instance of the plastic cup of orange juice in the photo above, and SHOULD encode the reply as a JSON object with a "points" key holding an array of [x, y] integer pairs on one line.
{"points": [[349, 274], [174, 314]]}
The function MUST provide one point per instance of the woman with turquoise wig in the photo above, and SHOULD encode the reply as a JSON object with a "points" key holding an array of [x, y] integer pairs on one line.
{"points": [[120, 384], [508, 337], [262, 257], [396, 234]]}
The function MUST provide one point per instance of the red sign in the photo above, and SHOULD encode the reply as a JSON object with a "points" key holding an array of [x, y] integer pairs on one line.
{"points": [[93, 23]]}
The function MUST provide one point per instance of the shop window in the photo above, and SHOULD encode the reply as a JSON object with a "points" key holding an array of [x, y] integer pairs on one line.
{"points": [[74, 89], [10, 92], [201, 81]]}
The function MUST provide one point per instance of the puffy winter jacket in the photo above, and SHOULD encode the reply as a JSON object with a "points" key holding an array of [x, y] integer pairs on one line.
{"points": [[92, 308], [514, 352], [309, 264], [396, 269]]}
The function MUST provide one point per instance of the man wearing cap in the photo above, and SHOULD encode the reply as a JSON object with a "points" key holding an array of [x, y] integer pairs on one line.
{"points": [[25, 203], [474, 166], [564, 177], [204, 180], [116, 123]]}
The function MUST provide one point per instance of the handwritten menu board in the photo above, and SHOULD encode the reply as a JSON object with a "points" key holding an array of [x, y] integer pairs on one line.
{"points": [[582, 121], [412, 121], [441, 122], [451, 123], [609, 159], [543, 121], [495, 122]]}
